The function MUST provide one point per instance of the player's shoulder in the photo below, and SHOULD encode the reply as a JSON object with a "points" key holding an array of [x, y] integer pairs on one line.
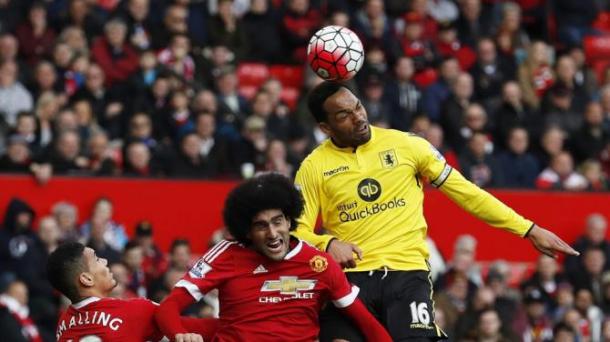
{"points": [[318, 260]]}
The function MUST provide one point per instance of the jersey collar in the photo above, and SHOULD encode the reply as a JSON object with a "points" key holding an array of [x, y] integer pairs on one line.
{"points": [[295, 250], [85, 302]]}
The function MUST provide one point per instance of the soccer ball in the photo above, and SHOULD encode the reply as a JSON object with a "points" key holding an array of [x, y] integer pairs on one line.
{"points": [[335, 53]]}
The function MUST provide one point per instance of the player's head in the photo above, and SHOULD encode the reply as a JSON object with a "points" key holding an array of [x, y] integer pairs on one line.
{"points": [[77, 272], [340, 114], [262, 211]]}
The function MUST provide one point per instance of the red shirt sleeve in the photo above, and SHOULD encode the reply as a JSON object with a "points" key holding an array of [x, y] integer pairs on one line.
{"points": [[209, 271], [140, 313], [342, 292]]}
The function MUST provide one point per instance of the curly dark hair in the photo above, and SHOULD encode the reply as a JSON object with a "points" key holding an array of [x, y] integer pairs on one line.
{"points": [[264, 192], [318, 95]]}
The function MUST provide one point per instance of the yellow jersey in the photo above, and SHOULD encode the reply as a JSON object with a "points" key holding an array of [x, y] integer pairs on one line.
{"points": [[373, 196]]}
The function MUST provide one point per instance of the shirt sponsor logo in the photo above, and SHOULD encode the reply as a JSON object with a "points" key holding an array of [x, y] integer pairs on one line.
{"points": [[369, 189], [200, 269], [336, 170], [371, 210], [388, 159], [318, 263], [290, 286]]}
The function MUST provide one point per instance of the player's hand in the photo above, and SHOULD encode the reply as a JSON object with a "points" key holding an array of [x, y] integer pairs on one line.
{"points": [[548, 243], [343, 253], [188, 338]]}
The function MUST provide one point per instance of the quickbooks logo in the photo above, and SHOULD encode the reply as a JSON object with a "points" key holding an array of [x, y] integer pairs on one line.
{"points": [[369, 189], [371, 210]]}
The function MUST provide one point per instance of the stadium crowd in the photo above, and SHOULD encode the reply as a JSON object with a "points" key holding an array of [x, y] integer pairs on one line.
{"points": [[182, 89], [213, 89]]}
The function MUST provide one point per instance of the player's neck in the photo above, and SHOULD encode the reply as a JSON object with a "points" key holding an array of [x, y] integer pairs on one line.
{"points": [[93, 292]]}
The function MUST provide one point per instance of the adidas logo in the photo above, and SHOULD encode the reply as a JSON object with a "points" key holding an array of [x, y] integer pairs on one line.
{"points": [[260, 269]]}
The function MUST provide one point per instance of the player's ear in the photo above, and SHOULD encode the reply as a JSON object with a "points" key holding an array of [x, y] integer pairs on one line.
{"points": [[325, 128], [86, 279]]}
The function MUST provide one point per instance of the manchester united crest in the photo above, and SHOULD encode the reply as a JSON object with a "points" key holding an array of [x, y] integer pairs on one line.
{"points": [[318, 263]]}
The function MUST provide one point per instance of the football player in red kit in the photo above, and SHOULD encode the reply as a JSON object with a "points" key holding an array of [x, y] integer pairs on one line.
{"points": [[75, 271], [271, 285]]}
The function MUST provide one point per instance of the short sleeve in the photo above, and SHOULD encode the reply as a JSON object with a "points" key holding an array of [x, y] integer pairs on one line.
{"points": [[429, 161], [342, 292], [209, 271]]}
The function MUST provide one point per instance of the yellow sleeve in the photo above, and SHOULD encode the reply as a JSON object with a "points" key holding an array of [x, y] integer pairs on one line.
{"points": [[308, 183], [468, 196]]}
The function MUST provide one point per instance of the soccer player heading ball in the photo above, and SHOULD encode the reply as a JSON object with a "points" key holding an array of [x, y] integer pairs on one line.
{"points": [[271, 285], [335, 53], [367, 183]]}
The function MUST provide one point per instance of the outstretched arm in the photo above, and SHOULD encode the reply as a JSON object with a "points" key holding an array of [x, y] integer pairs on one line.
{"points": [[548, 242], [168, 317], [369, 326]]}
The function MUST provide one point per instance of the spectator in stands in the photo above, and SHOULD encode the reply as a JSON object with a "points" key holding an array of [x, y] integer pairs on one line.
{"points": [[565, 75], [174, 22], [594, 237], [27, 127], [276, 159], [592, 171], [590, 276], [590, 139], [585, 76], [117, 58], [113, 232], [547, 278], [146, 74], [177, 120], [583, 302], [560, 175], [370, 15], [45, 80], [46, 109], [490, 72], [18, 156], [14, 97], [136, 16], [133, 259], [373, 100], [478, 165], [107, 103], [511, 38], [49, 233], [552, 143], [519, 167], [226, 28], [454, 107], [100, 156], [139, 162], [210, 66], [154, 262], [434, 135], [491, 328], [462, 263], [578, 323], [96, 239], [403, 95], [250, 148], [213, 148], [81, 15], [414, 45], [35, 36], [574, 20], [470, 23], [274, 88], [538, 323], [263, 106], [141, 130], [121, 275], [21, 251], [15, 320], [189, 161], [466, 325], [180, 255], [232, 107], [260, 26], [66, 215], [299, 21], [535, 74], [74, 38], [514, 112], [176, 57], [66, 156]]}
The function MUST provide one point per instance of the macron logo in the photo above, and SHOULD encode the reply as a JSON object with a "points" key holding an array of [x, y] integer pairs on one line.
{"points": [[260, 269]]}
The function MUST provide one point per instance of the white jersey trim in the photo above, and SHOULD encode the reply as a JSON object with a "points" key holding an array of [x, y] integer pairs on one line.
{"points": [[294, 251], [192, 289], [217, 250], [85, 302], [347, 300]]}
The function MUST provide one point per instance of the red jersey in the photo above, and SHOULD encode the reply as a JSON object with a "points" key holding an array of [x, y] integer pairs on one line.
{"points": [[109, 319], [266, 300]]}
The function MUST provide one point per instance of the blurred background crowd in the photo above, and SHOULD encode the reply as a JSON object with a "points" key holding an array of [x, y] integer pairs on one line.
{"points": [[513, 93]]}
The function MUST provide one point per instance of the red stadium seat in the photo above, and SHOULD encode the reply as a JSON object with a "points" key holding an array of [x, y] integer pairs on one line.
{"points": [[252, 74], [596, 48], [247, 91], [289, 75], [290, 96]]}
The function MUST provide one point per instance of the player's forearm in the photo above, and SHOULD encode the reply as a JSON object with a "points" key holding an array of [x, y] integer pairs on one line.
{"points": [[369, 326], [483, 205], [167, 314], [307, 234], [206, 327]]}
